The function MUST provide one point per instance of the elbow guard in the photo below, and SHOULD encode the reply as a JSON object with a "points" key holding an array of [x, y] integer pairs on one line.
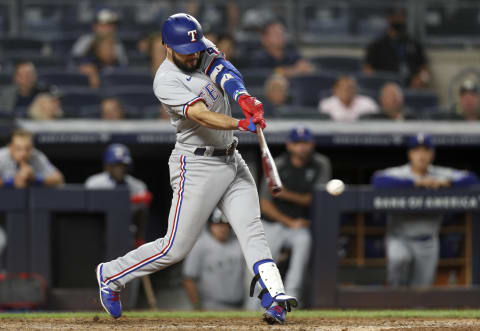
{"points": [[225, 75]]}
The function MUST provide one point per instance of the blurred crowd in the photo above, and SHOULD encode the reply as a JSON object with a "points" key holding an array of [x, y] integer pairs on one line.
{"points": [[104, 74]]}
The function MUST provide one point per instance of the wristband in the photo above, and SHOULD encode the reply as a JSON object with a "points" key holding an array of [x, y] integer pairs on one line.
{"points": [[8, 181], [39, 180]]}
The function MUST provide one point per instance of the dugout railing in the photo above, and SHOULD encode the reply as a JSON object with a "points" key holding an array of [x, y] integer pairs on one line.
{"points": [[327, 214]]}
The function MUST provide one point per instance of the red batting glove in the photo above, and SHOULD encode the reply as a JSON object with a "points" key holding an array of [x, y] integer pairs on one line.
{"points": [[259, 119], [249, 105]]}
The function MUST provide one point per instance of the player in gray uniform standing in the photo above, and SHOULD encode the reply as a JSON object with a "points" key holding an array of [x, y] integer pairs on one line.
{"points": [[412, 243], [215, 262], [193, 84]]}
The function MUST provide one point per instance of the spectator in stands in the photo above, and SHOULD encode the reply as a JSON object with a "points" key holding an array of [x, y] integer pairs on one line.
{"points": [[45, 106], [105, 25], [156, 51], [116, 161], [276, 95], [101, 57], [215, 262], [345, 104], [112, 109], [468, 106], [392, 106], [226, 44], [22, 165], [24, 89], [397, 52], [412, 244], [285, 215], [276, 55]]}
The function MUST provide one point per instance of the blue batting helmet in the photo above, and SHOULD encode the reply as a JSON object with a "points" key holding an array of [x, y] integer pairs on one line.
{"points": [[183, 34], [117, 153]]}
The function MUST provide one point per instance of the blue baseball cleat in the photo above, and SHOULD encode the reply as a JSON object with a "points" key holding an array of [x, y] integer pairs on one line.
{"points": [[275, 315], [109, 298]]}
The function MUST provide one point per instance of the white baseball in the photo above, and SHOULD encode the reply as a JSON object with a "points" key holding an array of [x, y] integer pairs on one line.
{"points": [[335, 187]]}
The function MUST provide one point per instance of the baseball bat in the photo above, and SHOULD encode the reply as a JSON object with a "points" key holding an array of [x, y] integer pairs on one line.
{"points": [[148, 288], [269, 168]]}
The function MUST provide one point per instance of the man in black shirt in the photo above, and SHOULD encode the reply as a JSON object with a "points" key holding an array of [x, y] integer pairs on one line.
{"points": [[275, 54], [24, 89], [286, 215], [397, 52]]}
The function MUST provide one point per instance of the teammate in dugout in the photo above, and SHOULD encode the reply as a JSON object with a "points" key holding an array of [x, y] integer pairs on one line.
{"points": [[117, 160], [412, 240], [206, 170], [285, 215], [215, 262]]}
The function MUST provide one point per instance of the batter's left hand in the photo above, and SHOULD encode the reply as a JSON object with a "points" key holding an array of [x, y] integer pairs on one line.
{"points": [[250, 123], [249, 105]]}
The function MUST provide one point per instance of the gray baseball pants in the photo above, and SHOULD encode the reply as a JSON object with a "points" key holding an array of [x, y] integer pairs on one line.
{"points": [[199, 184], [411, 262]]}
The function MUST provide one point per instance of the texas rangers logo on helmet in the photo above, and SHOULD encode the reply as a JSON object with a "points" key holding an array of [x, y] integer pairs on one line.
{"points": [[192, 34]]}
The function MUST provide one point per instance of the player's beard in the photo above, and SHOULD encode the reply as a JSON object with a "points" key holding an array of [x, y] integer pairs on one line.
{"points": [[186, 67]]}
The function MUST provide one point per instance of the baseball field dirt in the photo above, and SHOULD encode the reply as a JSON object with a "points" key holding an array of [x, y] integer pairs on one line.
{"points": [[462, 320]]}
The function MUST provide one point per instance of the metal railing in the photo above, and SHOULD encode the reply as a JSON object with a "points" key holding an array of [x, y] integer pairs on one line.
{"points": [[329, 22]]}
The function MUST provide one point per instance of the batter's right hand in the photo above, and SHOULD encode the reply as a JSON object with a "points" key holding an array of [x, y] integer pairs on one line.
{"points": [[247, 124]]}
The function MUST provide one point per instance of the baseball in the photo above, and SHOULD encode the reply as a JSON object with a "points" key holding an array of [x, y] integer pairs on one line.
{"points": [[335, 187]]}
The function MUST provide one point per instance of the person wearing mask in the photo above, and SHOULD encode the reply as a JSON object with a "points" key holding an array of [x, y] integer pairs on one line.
{"points": [[397, 52]]}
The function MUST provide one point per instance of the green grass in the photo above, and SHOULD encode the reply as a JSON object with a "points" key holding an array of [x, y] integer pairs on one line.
{"points": [[246, 314]]}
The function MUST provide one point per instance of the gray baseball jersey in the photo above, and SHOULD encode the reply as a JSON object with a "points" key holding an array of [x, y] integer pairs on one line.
{"points": [[178, 90], [216, 265], [39, 162], [412, 244], [199, 182], [104, 180], [418, 224]]}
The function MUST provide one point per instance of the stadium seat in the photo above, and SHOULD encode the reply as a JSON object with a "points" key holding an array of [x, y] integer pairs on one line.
{"points": [[305, 89], [136, 96], [12, 46], [418, 100], [63, 79], [346, 64], [302, 113], [115, 78], [255, 77], [42, 63], [376, 81], [5, 79], [76, 102]]}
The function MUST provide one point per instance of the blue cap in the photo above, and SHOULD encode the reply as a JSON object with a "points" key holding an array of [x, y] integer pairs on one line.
{"points": [[183, 34], [117, 153], [300, 133], [420, 139]]}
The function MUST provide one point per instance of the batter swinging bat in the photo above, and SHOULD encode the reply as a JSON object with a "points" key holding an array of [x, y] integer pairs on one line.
{"points": [[269, 168]]}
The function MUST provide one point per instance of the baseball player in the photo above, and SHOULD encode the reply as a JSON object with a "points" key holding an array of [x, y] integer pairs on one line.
{"points": [[117, 160], [216, 261], [194, 84], [412, 243], [22, 165]]}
